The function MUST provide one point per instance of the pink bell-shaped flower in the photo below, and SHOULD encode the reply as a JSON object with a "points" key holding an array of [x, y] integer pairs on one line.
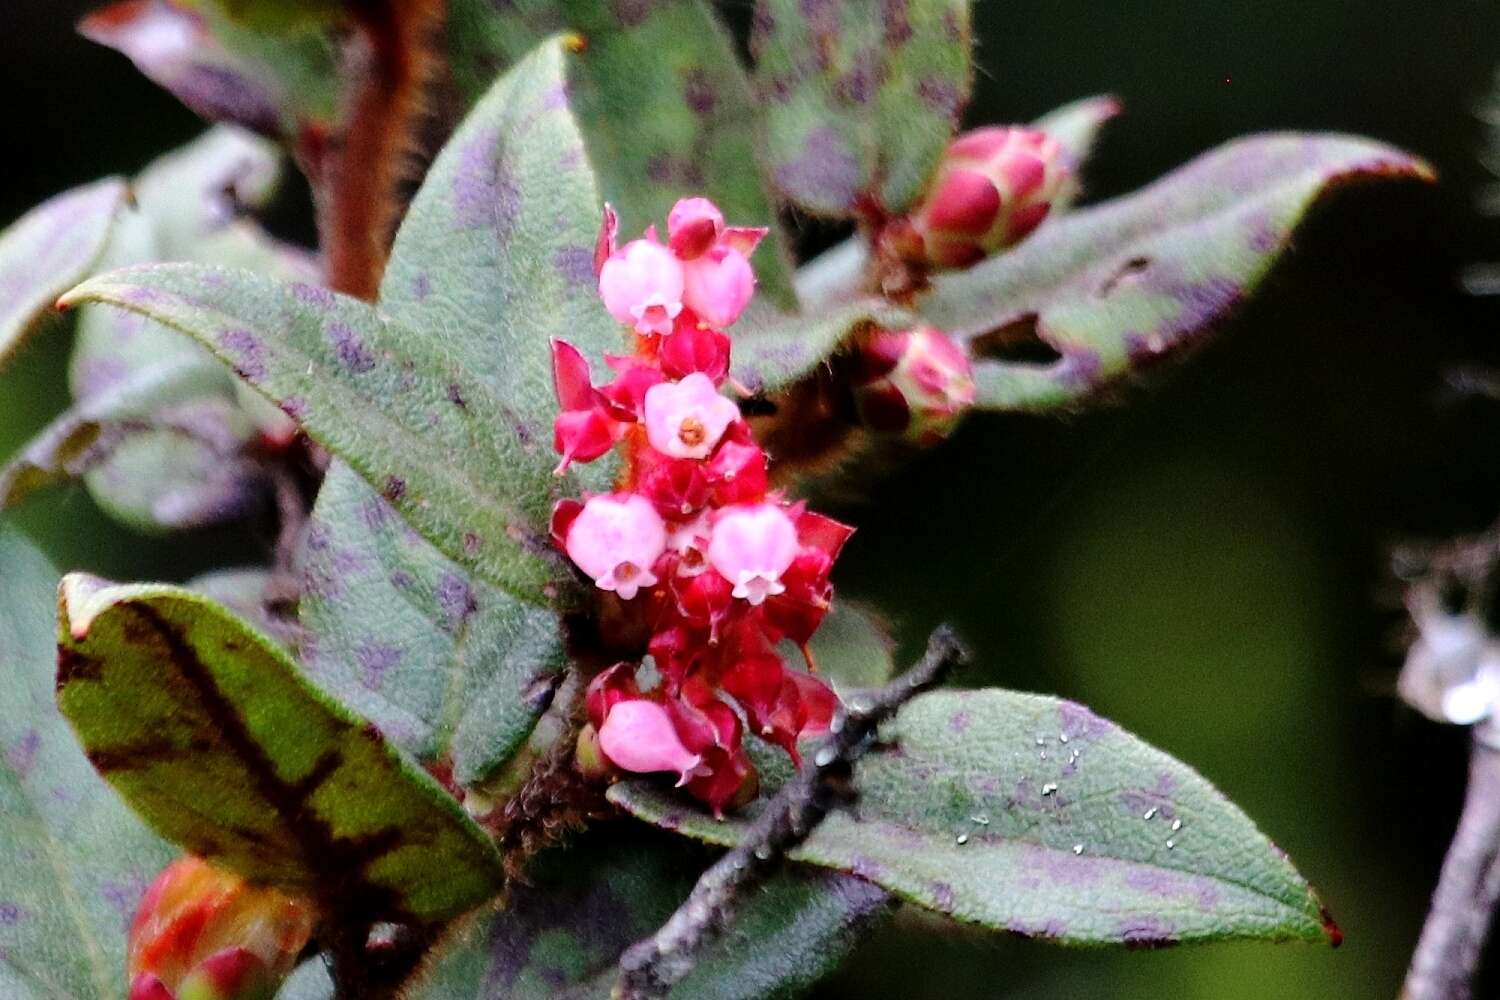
{"points": [[642, 286], [752, 546], [639, 735], [717, 286], [616, 540], [686, 419]]}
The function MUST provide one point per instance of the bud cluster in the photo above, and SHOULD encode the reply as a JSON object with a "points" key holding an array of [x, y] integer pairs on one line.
{"points": [[201, 933], [917, 383], [994, 186], [711, 563]]}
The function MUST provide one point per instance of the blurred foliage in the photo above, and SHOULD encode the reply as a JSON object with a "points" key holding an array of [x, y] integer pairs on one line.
{"points": [[1205, 565]]}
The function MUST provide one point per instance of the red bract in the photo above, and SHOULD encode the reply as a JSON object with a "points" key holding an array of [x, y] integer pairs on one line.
{"points": [[693, 547]]}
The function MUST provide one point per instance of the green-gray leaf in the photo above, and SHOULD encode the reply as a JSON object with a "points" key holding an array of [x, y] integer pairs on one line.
{"points": [[1114, 287], [209, 731], [1029, 814], [561, 935], [89, 433], [664, 106], [443, 663], [495, 256], [861, 97], [450, 419], [453, 460], [771, 351], [1076, 128], [49, 250], [73, 860], [280, 85], [189, 465], [851, 649]]}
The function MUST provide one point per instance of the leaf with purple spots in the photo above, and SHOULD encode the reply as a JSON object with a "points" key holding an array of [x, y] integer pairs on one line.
{"points": [[562, 933], [73, 858], [474, 479], [1033, 815], [665, 108], [495, 256], [207, 729], [447, 666], [443, 402], [283, 85], [1112, 288], [49, 250], [861, 97]]}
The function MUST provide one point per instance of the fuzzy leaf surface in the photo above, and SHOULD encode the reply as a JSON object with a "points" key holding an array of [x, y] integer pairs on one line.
{"points": [[49, 250], [772, 351], [1076, 127], [561, 936], [1105, 840], [1117, 286], [495, 256], [445, 665], [861, 97], [665, 108], [208, 730], [74, 859], [467, 380]]}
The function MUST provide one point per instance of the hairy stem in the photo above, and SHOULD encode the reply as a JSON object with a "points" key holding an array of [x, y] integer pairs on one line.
{"points": [[1452, 941], [649, 968], [359, 198]]}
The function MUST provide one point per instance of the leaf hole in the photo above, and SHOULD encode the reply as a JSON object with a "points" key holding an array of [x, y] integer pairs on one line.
{"points": [[1020, 340], [1131, 268]]}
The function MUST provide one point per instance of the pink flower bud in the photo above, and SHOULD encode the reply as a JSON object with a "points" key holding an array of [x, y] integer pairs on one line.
{"points": [[204, 934], [616, 540], [639, 735], [926, 391], [677, 487], [718, 285], [752, 546], [692, 348], [994, 186], [642, 286], [694, 225], [738, 474], [686, 419]]}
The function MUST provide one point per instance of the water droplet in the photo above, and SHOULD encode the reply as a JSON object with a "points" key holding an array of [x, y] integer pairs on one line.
{"points": [[963, 838], [1049, 788], [825, 756], [1150, 813], [1063, 737], [1171, 844], [1176, 825], [1041, 741], [763, 852], [980, 818], [1077, 849], [1044, 755]]}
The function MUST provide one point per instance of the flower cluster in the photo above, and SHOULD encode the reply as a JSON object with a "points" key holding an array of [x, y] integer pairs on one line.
{"points": [[714, 566], [204, 934]]}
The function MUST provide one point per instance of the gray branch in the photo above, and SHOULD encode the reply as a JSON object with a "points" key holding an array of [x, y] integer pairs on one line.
{"points": [[1447, 956], [649, 968]]}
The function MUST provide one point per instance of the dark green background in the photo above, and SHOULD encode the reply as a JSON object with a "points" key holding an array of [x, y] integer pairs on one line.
{"points": [[1205, 560]]}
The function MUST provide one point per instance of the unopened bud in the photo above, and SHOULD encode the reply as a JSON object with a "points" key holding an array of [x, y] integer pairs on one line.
{"points": [[205, 934], [994, 186], [916, 383]]}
